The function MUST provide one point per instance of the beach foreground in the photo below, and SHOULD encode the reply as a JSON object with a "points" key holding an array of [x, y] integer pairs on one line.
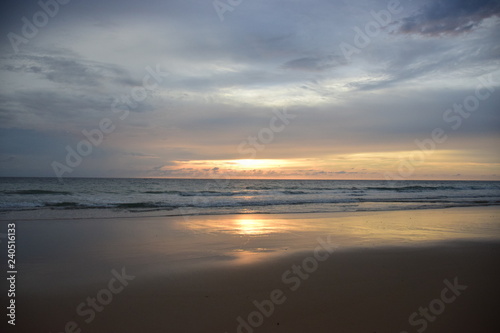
{"points": [[413, 271]]}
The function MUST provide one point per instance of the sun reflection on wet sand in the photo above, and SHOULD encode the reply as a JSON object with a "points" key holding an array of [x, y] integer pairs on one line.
{"points": [[252, 237], [166, 245], [243, 225], [247, 238]]}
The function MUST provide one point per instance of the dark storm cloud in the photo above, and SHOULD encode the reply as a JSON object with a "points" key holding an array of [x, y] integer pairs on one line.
{"points": [[450, 16]]}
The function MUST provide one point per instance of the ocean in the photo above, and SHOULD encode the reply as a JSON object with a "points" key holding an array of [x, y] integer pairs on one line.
{"points": [[113, 197]]}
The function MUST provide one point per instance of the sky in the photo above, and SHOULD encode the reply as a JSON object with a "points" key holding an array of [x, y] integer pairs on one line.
{"points": [[300, 89]]}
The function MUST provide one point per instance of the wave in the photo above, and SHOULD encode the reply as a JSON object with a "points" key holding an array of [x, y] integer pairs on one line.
{"points": [[211, 194], [267, 190], [138, 205], [412, 188], [263, 188], [202, 197], [295, 192], [62, 204], [38, 192], [227, 193], [161, 192], [256, 203]]}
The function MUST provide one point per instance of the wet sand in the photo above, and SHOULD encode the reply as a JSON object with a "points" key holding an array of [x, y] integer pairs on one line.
{"points": [[432, 270]]}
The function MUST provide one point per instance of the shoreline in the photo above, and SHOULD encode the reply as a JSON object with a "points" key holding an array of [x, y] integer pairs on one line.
{"points": [[43, 214]]}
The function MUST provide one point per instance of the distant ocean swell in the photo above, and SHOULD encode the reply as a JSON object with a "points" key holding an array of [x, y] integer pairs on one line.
{"points": [[264, 190], [37, 192]]}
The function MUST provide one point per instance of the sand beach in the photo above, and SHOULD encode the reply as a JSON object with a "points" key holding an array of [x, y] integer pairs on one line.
{"points": [[403, 271]]}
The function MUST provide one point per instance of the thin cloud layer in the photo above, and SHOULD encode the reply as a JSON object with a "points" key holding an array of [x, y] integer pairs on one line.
{"points": [[315, 64]]}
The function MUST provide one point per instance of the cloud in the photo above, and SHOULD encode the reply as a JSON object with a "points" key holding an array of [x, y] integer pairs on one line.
{"points": [[450, 17], [139, 155], [68, 70], [417, 60], [314, 64], [60, 89], [225, 78]]}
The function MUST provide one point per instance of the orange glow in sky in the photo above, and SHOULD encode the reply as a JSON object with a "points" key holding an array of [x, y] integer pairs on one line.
{"points": [[402, 164]]}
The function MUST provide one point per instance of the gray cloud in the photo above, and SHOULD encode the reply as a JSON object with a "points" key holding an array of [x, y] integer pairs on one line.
{"points": [[314, 64], [68, 69], [225, 75], [428, 58], [450, 17], [62, 88]]}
